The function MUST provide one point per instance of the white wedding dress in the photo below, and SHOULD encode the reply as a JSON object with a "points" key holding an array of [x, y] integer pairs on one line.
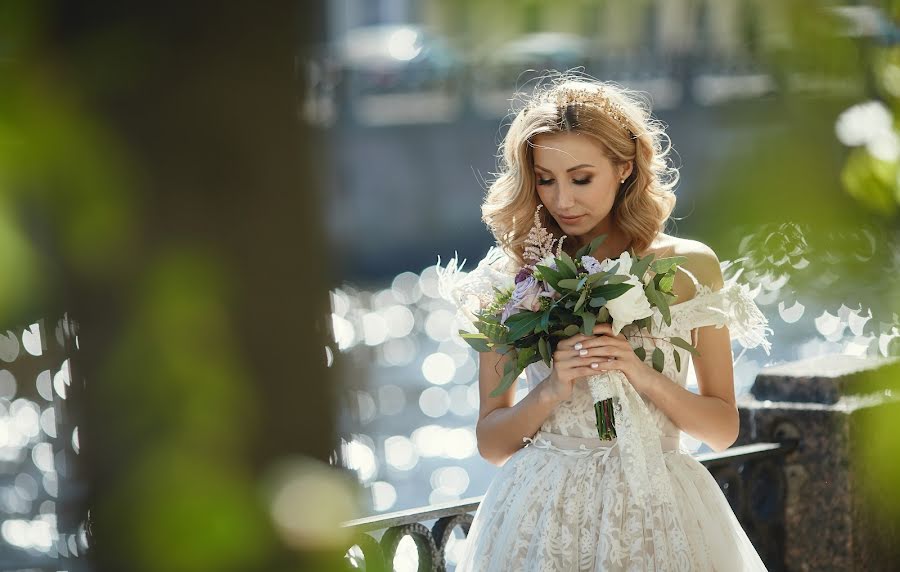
{"points": [[567, 501]]}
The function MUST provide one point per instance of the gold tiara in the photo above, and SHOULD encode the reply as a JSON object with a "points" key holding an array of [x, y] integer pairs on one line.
{"points": [[565, 96]]}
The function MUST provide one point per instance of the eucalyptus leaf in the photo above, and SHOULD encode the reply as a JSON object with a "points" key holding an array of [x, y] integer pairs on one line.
{"points": [[663, 265], [597, 278], [597, 302], [581, 300], [545, 321], [522, 324], [639, 268], [569, 283], [666, 283], [589, 320], [617, 279], [658, 360], [568, 262], [612, 291], [677, 360], [641, 353], [684, 344], [478, 341], [551, 276], [525, 356], [589, 248], [571, 330], [509, 376], [544, 349]]}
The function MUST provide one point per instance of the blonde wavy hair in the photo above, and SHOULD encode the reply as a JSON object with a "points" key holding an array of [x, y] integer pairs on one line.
{"points": [[644, 202]]}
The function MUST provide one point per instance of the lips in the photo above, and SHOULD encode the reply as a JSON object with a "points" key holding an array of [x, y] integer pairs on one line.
{"points": [[570, 219]]}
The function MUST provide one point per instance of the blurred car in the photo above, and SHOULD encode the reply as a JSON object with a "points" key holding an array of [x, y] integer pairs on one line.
{"points": [[499, 72], [397, 74]]}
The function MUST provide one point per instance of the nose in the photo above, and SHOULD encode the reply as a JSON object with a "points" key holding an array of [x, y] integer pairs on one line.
{"points": [[565, 197]]}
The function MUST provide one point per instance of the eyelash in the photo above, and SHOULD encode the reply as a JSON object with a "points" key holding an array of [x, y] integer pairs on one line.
{"points": [[585, 181]]}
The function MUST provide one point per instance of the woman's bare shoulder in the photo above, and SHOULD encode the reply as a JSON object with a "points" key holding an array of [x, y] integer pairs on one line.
{"points": [[701, 262]]}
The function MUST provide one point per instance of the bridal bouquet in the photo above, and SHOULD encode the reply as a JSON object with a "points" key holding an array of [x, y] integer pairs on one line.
{"points": [[555, 296]]}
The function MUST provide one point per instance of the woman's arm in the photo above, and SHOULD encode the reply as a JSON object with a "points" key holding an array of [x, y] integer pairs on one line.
{"points": [[712, 415], [502, 425]]}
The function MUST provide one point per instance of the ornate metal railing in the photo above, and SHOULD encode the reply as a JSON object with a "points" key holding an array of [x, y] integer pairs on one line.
{"points": [[751, 476]]}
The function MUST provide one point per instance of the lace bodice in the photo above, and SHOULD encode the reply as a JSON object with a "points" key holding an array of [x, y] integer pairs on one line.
{"points": [[731, 306]]}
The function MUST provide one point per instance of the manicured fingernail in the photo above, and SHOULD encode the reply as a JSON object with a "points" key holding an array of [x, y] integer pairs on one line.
{"points": [[583, 352], [578, 346], [595, 365], [610, 359]]}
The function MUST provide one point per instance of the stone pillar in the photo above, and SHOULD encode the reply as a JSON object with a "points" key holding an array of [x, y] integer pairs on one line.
{"points": [[840, 512]]}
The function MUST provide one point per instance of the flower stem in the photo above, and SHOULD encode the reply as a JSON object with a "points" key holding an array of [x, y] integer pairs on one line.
{"points": [[606, 421]]}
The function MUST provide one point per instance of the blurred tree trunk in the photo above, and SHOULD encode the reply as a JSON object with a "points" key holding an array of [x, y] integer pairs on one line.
{"points": [[205, 98]]}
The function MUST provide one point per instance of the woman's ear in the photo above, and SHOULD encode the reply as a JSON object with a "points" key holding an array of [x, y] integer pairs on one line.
{"points": [[629, 165]]}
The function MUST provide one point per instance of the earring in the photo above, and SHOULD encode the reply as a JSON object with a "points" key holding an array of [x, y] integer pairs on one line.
{"points": [[622, 181]]}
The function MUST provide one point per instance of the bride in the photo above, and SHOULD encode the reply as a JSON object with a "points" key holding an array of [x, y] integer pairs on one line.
{"points": [[589, 156]]}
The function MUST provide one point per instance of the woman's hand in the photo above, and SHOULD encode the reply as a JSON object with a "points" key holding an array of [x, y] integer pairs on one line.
{"points": [[580, 356]]}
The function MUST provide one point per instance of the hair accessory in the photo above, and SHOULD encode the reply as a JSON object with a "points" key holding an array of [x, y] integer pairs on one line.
{"points": [[565, 96]]}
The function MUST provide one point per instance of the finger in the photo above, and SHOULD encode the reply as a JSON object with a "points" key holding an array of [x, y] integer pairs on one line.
{"points": [[603, 341], [607, 330], [569, 349], [588, 352], [568, 343]]}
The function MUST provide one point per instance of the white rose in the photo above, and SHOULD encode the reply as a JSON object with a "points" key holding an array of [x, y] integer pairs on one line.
{"points": [[624, 261], [630, 306]]}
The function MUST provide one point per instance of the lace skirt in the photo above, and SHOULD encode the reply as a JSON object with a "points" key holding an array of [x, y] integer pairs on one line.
{"points": [[563, 504]]}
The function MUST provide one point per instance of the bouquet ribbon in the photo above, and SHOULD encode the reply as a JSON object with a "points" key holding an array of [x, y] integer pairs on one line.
{"points": [[638, 438]]}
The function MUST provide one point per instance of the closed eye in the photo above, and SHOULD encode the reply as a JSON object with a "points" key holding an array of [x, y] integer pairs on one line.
{"points": [[584, 181]]}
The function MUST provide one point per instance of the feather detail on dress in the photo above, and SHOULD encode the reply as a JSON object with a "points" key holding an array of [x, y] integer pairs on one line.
{"points": [[471, 292]]}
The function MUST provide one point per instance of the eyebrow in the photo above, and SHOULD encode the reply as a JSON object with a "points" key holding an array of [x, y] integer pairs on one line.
{"points": [[569, 170]]}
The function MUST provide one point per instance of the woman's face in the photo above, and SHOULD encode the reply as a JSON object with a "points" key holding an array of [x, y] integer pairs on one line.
{"points": [[577, 182]]}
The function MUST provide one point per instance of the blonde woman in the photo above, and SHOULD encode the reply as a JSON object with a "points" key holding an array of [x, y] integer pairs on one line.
{"points": [[592, 157]]}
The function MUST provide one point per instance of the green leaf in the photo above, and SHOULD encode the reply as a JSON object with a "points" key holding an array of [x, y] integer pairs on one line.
{"points": [[603, 315], [588, 325], [522, 324], [581, 300], [666, 283], [597, 278], [589, 248], [617, 279], [663, 265], [544, 349], [677, 360], [612, 291], [684, 344], [478, 341], [639, 268], [545, 321], [525, 356], [641, 353], [659, 301], [552, 277], [597, 302], [510, 374], [571, 330], [568, 263], [569, 283], [658, 360]]}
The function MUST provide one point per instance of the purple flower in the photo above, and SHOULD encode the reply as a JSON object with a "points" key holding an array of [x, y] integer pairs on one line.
{"points": [[523, 274], [591, 264], [526, 294]]}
